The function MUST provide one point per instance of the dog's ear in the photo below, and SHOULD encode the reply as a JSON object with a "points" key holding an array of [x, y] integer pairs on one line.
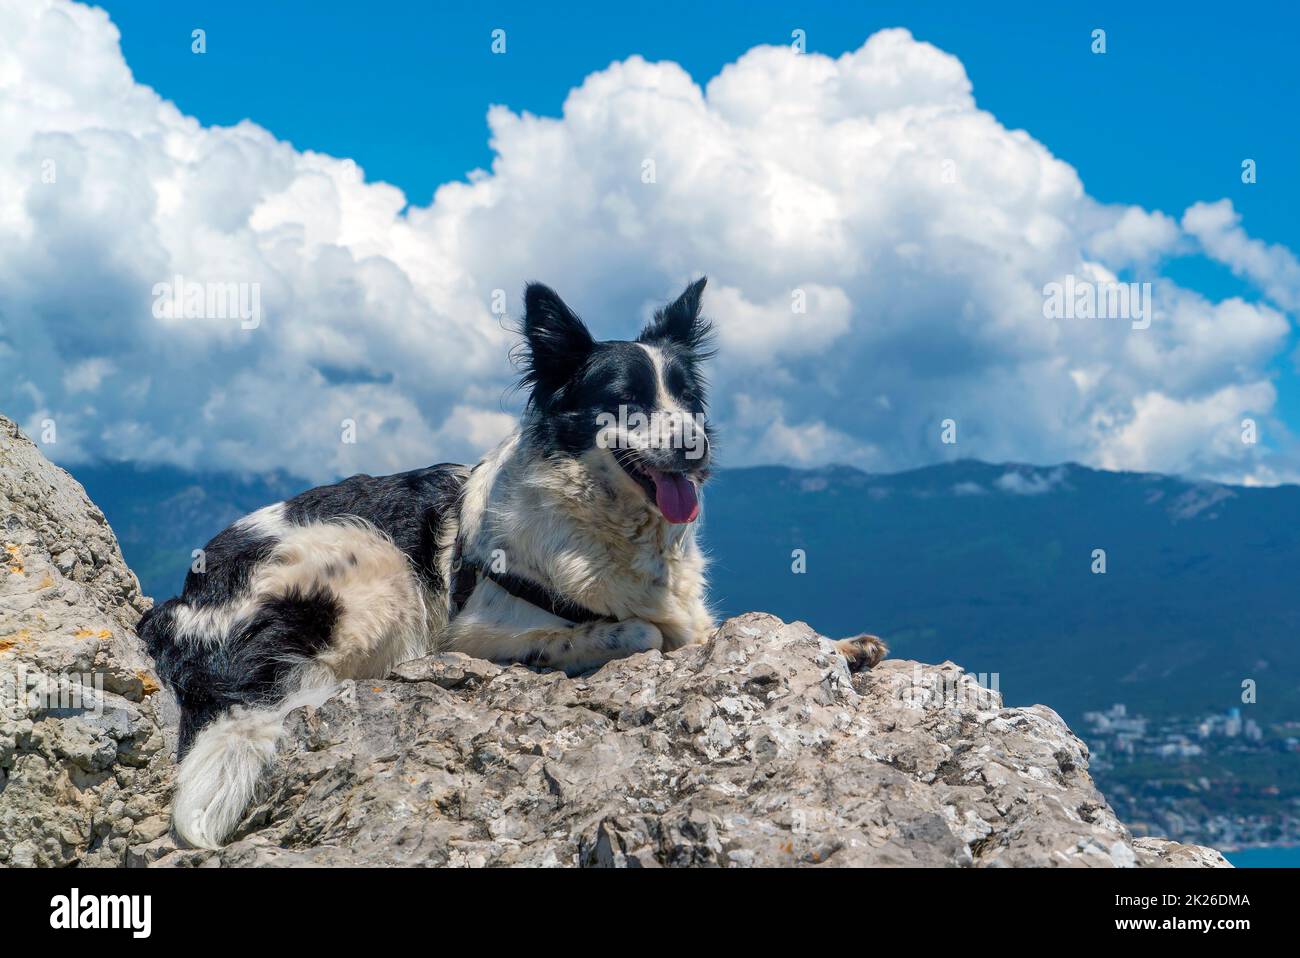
{"points": [[680, 321], [557, 342]]}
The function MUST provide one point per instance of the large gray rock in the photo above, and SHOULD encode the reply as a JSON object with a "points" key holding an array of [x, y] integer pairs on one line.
{"points": [[758, 748], [84, 754]]}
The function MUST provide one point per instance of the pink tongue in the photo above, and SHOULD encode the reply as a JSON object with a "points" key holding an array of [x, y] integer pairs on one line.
{"points": [[675, 496]]}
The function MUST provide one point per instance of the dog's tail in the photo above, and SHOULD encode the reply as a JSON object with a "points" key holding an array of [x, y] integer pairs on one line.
{"points": [[234, 693], [218, 776]]}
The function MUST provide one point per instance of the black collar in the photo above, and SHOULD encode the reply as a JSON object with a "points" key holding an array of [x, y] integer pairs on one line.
{"points": [[465, 573]]}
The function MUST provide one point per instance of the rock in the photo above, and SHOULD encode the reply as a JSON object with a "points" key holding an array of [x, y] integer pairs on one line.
{"points": [[757, 748], [82, 731], [1158, 852]]}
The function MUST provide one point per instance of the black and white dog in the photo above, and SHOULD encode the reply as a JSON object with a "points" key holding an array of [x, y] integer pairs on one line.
{"points": [[570, 544]]}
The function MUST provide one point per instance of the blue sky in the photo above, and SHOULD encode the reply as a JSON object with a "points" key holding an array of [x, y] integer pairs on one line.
{"points": [[1161, 122], [1163, 119]]}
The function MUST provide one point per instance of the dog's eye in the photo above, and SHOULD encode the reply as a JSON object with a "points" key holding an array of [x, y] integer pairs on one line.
{"points": [[676, 381]]}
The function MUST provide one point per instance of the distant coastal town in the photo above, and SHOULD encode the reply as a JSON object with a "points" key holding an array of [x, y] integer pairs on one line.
{"points": [[1220, 779]]}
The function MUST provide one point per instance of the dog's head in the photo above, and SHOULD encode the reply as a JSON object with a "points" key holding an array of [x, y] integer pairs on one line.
{"points": [[632, 412]]}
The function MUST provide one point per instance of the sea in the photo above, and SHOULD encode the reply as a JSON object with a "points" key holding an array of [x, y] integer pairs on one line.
{"points": [[1279, 856]]}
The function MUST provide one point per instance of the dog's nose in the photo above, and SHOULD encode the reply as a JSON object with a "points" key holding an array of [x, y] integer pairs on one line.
{"points": [[689, 455]]}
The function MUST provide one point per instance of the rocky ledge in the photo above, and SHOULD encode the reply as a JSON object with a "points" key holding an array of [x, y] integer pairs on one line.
{"points": [[85, 743], [757, 748]]}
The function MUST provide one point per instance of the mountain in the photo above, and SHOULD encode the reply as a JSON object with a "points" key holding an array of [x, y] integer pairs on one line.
{"points": [[992, 566], [988, 565]]}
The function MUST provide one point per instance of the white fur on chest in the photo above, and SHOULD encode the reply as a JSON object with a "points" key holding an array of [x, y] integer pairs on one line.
{"points": [[566, 524]]}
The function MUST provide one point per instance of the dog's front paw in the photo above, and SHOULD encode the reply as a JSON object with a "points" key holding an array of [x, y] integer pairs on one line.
{"points": [[862, 651], [632, 636]]}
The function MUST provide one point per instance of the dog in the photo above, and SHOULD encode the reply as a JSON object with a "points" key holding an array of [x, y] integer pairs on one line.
{"points": [[570, 544]]}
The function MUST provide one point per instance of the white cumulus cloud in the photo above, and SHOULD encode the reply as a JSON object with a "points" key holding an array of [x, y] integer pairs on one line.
{"points": [[877, 248], [1275, 269]]}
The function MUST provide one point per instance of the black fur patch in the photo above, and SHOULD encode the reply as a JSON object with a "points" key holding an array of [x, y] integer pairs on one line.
{"points": [[250, 665], [409, 508], [229, 560]]}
